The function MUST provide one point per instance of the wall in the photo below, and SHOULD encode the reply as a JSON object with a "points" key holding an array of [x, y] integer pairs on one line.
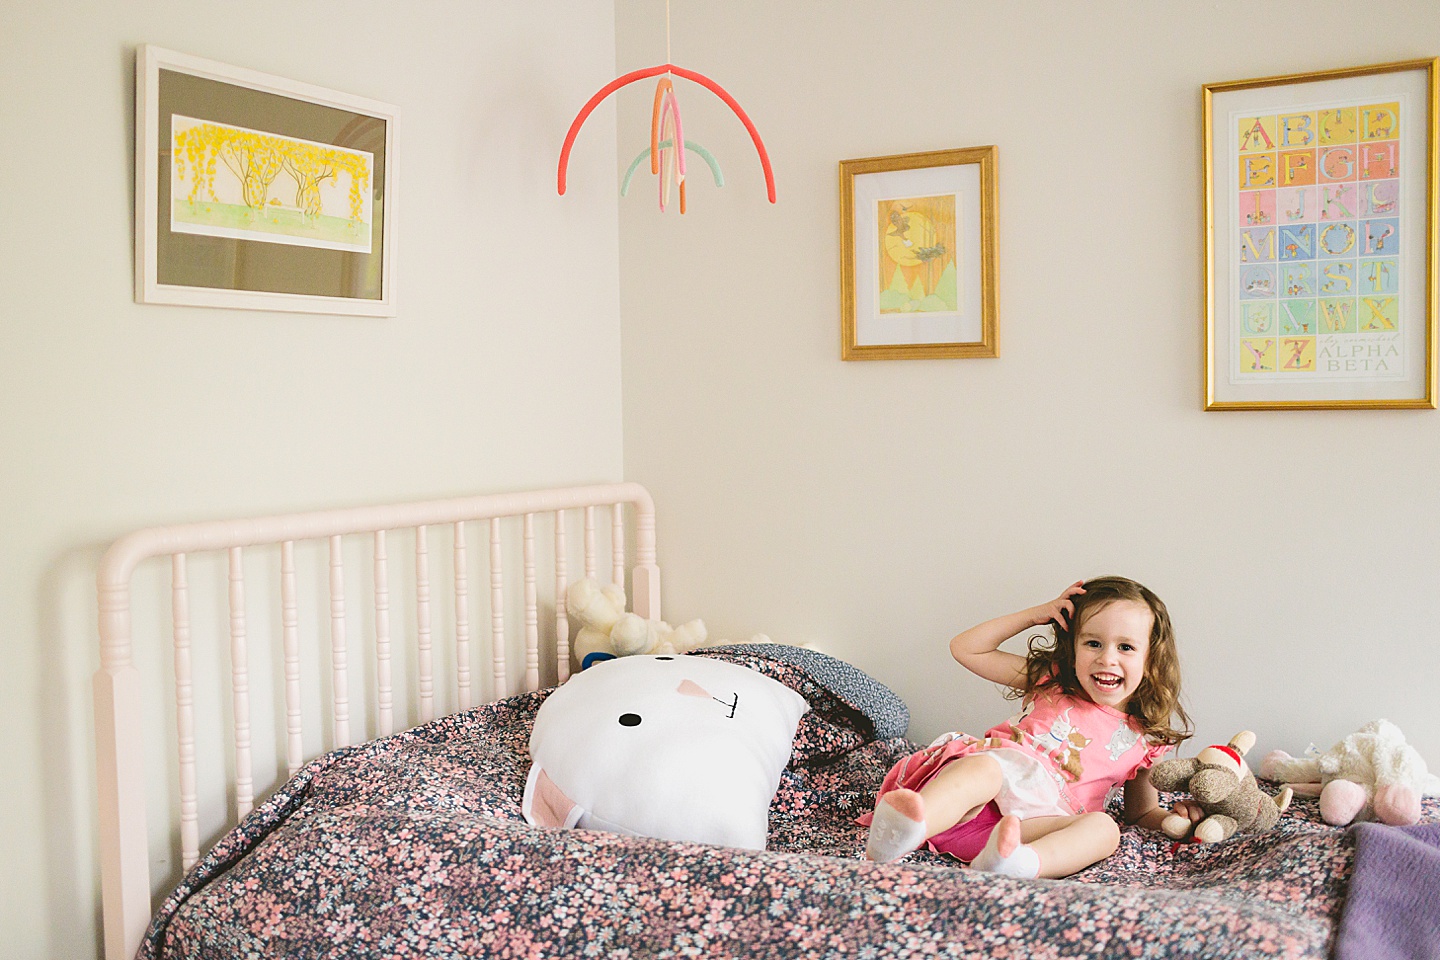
{"points": [[501, 371], [877, 508]]}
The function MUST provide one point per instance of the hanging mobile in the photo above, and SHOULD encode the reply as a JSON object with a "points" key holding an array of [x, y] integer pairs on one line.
{"points": [[667, 136]]}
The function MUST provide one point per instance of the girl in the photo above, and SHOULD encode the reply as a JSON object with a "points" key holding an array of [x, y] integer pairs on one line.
{"points": [[1028, 799]]}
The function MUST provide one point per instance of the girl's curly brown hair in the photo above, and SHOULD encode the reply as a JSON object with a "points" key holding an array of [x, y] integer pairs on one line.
{"points": [[1156, 701]]}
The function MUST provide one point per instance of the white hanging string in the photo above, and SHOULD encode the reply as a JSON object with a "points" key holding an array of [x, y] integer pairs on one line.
{"points": [[667, 32]]}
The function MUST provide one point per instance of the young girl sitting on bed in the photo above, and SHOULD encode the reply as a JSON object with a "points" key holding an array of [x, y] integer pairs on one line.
{"points": [[1028, 799]]}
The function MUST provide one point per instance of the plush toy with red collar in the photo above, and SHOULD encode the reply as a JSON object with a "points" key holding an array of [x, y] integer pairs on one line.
{"points": [[1221, 782]]}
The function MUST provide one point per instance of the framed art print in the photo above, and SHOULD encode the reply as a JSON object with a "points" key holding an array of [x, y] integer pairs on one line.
{"points": [[258, 192], [1320, 238], [917, 256]]}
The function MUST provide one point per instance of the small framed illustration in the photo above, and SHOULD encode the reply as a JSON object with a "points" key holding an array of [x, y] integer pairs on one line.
{"points": [[1320, 239], [917, 256], [257, 192]]}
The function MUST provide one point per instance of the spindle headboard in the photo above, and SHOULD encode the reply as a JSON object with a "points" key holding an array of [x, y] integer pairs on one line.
{"points": [[120, 707]]}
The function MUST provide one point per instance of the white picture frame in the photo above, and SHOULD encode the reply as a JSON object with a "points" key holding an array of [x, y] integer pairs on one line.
{"points": [[260, 193]]}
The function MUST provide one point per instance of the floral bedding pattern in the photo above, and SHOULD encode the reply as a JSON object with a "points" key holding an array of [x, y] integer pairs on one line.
{"points": [[414, 847]]}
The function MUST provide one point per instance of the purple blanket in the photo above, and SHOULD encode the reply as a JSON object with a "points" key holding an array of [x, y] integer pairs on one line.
{"points": [[414, 847], [1393, 910]]}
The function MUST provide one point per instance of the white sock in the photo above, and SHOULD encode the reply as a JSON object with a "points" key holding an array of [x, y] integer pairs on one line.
{"points": [[1005, 854], [898, 827]]}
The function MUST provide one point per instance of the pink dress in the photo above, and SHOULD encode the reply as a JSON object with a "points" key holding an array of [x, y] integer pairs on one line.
{"points": [[1061, 755]]}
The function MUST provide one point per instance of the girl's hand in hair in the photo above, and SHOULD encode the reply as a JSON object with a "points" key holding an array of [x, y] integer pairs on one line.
{"points": [[1061, 607]]}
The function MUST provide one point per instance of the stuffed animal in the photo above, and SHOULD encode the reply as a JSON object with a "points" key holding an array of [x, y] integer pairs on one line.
{"points": [[674, 747], [607, 631], [1371, 774], [1219, 779]]}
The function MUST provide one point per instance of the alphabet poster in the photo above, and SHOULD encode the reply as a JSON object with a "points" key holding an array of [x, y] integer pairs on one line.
{"points": [[1316, 242]]}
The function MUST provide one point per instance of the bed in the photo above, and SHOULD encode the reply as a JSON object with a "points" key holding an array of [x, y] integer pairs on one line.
{"points": [[412, 843]]}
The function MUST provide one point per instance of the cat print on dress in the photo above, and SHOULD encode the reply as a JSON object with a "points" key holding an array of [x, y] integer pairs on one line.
{"points": [[1068, 744], [1123, 740]]}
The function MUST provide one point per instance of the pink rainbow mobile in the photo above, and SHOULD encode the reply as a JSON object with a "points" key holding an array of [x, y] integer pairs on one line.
{"points": [[667, 135]]}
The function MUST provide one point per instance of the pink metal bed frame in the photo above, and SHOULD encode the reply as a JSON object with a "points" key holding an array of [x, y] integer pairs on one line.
{"points": [[119, 710]]}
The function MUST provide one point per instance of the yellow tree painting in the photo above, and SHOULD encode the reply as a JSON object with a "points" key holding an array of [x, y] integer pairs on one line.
{"points": [[918, 255], [233, 182]]}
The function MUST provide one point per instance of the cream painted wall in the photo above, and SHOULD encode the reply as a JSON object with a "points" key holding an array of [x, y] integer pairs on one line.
{"points": [[501, 371], [877, 508]]}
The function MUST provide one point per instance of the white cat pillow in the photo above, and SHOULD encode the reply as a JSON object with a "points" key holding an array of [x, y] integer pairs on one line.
{"points": [[674, 747]]}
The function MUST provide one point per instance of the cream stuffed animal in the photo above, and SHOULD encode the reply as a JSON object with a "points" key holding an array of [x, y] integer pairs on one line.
{"points": [[1371, 774], [606, 630]]}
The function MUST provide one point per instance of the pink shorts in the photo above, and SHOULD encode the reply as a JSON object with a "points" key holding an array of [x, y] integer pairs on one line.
{"points": [[964, 841]]}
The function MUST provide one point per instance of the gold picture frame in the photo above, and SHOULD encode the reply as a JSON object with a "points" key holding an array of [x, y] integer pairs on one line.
{"points": [[1320, 239], [917, 256]]}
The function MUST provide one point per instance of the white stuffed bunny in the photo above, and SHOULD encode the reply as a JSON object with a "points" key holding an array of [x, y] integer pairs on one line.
{"points": [[606, 630], [595, 610], [1371, 774]]}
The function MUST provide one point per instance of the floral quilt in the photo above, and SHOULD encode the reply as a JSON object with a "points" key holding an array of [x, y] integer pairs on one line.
{"points": [[414, 847]]}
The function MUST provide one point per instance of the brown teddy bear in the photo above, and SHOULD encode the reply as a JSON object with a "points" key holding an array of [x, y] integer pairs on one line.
{"points": [[1219, 779]]}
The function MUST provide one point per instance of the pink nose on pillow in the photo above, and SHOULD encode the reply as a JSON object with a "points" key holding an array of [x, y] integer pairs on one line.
{"points": [[692, 689]]}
